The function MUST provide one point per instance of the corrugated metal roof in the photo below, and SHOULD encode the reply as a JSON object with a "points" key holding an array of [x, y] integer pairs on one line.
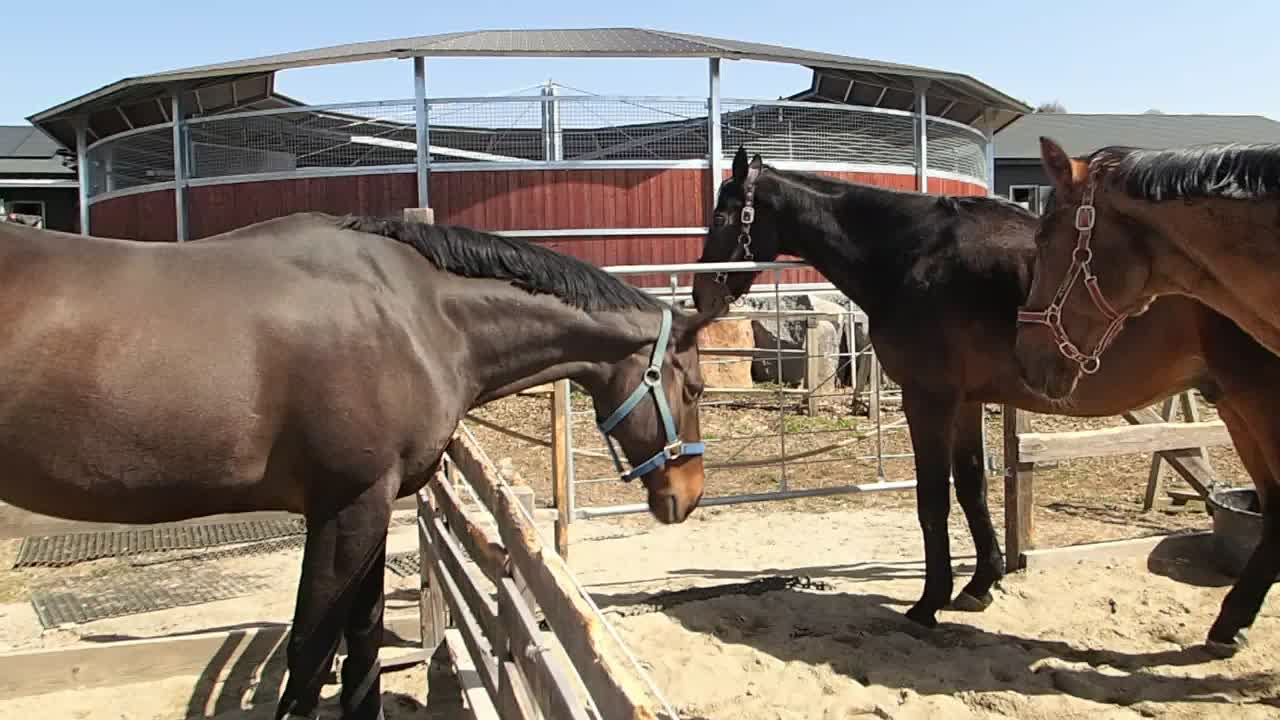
{"points": [[25, 151], [1080, 134], [25, 141], [947, 87]]}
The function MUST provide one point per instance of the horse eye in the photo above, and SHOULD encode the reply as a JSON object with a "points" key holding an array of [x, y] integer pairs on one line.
{"points": [[719, 220]]}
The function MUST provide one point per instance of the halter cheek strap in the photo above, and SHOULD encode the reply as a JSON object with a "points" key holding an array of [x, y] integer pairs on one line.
{"points": [[746, 217], [1086, 217], [652, 383]]}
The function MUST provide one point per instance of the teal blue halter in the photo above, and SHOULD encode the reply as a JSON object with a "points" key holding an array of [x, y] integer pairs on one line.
{"points": [[652, 382]]}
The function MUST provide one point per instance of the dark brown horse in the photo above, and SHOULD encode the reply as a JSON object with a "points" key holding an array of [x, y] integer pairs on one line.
{"points": [[941, 279], [320, 366], [1128, 226]]}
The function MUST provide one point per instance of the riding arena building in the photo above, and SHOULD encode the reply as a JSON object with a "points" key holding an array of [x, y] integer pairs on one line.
{"points": [[615, 180]]}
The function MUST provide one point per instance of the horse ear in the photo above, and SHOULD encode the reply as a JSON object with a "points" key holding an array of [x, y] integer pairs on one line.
{"points": [[692, 323], [740, 164], [757, 162], [1058, 166]]}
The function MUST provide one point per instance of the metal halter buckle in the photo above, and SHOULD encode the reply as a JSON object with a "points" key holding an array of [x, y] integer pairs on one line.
{"points": [[1086, 216]]}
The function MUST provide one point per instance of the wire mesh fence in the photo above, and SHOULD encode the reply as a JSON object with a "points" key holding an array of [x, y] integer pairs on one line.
{"points": [[135, 159], [820, 133], [523, 129], [796, 404], [956, 149], [368, 135]]}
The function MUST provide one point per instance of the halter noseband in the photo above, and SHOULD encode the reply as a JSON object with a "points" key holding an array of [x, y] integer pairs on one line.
{"points": [[746, 217], [1081, 256], [652, 383]]}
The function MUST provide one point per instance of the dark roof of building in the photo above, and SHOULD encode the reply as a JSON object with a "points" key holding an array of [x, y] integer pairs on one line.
{"points": [[222, 86], [25, 151], [1080, 134]]}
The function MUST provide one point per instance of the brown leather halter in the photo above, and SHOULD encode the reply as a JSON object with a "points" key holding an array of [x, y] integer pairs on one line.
{"points": [[1086, 216]]}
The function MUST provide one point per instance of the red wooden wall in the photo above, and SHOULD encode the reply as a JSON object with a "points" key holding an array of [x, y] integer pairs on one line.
{"points": [[486, 200]]}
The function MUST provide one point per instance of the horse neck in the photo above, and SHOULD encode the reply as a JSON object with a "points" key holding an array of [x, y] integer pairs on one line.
{"points": [[847, 232], [532, 340], [1217, 250]]}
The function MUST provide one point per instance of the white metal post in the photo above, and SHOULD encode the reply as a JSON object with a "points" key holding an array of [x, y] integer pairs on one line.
{"points": [[557, 131], [552, 134], [922, 136], [82, 171], [179, 167], [423, 130], [715, 150], [989, 131]]}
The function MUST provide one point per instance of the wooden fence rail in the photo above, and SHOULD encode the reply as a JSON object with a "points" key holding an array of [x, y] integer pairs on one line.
{"points": [[486, 576], [1182, 445]]}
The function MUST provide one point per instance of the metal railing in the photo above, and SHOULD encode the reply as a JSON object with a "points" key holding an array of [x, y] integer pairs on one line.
{"points": [[814, 409], [523, 131]]}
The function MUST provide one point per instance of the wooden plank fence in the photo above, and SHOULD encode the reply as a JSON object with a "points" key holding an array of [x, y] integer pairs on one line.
{"points": [[1183, 445], [486, 578]]}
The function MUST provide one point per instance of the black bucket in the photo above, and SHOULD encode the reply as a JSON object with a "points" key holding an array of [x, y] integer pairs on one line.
{"points": [[1237, 527]]}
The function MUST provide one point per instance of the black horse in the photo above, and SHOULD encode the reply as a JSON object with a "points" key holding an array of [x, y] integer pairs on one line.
{"points": [[941, 280]]}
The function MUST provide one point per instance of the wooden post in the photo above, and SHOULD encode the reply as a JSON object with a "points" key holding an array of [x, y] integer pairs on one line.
{"points": [[812, 365], [560, 465], [1018, 491], [1154, 484], [432, 611], [422, 215]]}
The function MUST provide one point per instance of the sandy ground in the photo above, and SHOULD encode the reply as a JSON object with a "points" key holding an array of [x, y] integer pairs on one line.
{"points": [[1096, 640]]}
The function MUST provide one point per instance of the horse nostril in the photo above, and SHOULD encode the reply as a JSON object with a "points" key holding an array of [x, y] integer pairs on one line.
{"points": [[674, 514]]}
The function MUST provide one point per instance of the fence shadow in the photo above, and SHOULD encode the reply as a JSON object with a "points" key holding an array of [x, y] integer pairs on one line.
{"points": [[250, 688], [867, 638]]}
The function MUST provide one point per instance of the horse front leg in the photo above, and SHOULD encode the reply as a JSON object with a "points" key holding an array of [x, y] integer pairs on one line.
{"points": [[968, 469], [343, 544], [931, 419]]}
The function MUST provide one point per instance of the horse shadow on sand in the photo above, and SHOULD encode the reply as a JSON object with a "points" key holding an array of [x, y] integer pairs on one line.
{"points": [[866, 637], [244, 679]]}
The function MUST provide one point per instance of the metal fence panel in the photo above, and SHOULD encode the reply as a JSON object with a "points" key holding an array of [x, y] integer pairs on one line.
{"points": [[782, 453]]}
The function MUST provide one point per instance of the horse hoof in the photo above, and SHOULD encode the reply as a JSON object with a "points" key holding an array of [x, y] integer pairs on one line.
{"points": [[922, 617], [965, 602], [1224, 650]]}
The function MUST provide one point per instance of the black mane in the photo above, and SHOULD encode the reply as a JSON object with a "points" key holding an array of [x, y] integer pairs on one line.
{"points": [[952, 203], [1235, 171], [536, 269]]}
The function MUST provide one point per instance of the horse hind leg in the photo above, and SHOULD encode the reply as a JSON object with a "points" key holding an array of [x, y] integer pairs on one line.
{"points": [[1243, 602], [362, 671], [343, 543], [967, 468]]}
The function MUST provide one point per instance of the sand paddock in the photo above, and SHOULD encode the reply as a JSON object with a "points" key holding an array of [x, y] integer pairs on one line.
{"points": [[1095, 639]]}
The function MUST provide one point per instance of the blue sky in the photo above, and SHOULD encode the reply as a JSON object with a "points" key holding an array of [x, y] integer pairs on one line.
{"points": [[1114, 56]]}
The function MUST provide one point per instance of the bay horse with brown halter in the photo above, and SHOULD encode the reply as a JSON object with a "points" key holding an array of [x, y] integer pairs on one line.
{"points": [[941, 280], [316, 365], [1128, 226]]}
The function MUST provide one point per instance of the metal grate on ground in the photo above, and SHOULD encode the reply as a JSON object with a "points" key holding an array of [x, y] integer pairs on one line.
{"points": [[168, 582], [72, 548], [404, 564], [82, 600]]}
